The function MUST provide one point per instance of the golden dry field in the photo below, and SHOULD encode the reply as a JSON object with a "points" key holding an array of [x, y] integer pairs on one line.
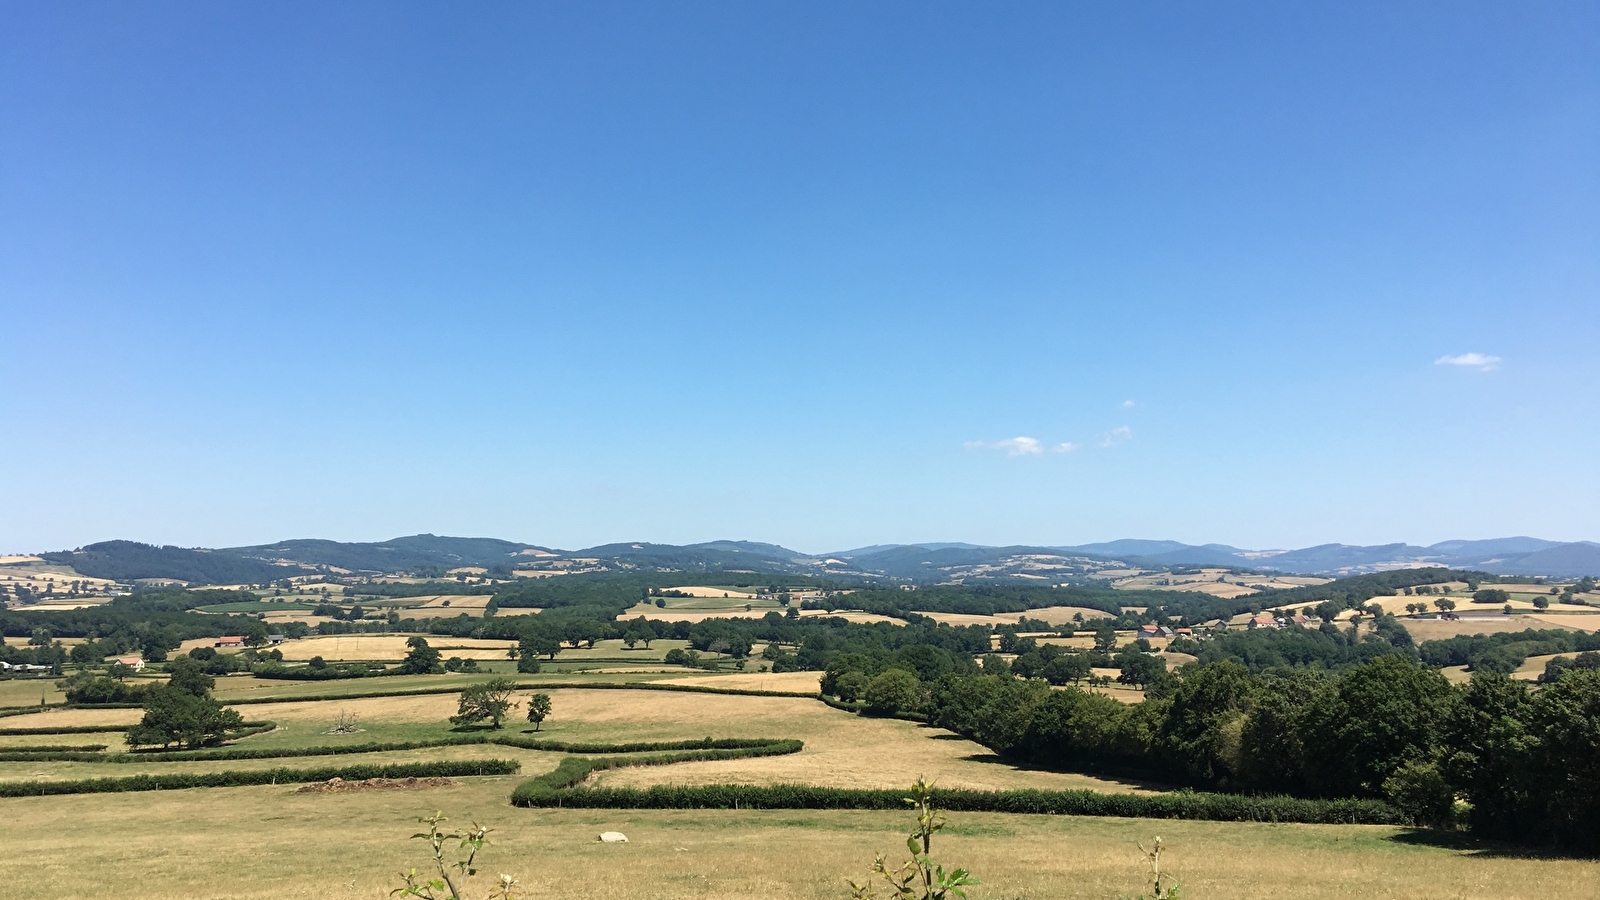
{"points": [[1438, 629], [444, 606], [686, 611], [1589, 621], [800, 682], [1055, 615], [1216, 582], [388, 647], [732, 593], [36, 574]]}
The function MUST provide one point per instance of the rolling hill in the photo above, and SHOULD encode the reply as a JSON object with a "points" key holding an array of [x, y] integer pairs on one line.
{"points": [[932, 562]]}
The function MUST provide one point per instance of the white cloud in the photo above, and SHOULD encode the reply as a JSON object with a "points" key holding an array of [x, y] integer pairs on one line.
{"points": [[1128, 404], [1022, 446], [1483, 362], [1119, 435]]}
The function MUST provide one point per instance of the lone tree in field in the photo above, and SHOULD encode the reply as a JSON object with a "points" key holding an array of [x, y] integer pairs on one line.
{"points": [[487, 700], [538, 709], [422, 660], [183, 710]]}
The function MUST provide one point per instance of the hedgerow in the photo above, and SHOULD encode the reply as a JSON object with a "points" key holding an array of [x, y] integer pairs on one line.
{"points": [[55, 748], [182, 781], [78, 754], [248, 728], [556, 789], [66, 729]]}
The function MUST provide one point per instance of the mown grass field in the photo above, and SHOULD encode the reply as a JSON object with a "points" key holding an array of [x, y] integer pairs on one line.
{"points": [[271, 842]]}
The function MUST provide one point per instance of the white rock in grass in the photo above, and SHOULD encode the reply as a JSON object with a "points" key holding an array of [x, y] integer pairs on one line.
{"points": [[613, 837]]}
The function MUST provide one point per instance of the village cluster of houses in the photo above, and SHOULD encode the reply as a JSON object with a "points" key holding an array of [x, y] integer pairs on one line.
{"points": [[1162, 631], [1204, 631]]}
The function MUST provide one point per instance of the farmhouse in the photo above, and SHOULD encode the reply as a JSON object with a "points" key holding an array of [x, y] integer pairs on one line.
{"points": [[230, 640], [1263, 621], [133, 662]]}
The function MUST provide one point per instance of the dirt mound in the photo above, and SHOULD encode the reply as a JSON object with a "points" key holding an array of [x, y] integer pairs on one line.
{"points": [[340, 786]]}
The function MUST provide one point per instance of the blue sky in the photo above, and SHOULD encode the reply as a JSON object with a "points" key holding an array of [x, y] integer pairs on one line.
{"points": [[823, 274]]}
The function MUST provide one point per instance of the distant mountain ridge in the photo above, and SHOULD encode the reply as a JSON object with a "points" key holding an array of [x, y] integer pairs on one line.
{"points": [[935, 561], [1504, 556]]}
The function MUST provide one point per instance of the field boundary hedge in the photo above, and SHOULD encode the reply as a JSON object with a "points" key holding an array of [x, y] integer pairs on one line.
{"points": [[558, 789], [183, 781], [245, 730], [65, 754], [66, 729], [51, 748]]}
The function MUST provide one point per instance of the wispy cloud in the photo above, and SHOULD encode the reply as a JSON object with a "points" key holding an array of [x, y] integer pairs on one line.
{"points": [[1021, 446], [1483, 362], [1119, 435], [1128, 404]]}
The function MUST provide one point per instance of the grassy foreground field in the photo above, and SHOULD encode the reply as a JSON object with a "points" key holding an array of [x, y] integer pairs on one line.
{"points": [[271, 842]]}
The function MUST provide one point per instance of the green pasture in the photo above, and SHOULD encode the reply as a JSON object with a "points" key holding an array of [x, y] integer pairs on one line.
{"points": [[26, 691]]}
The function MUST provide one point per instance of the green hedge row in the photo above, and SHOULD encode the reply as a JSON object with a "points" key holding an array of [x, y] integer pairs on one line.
{"points": [[1179, 805], [58, 755], [26, 710], [269, 776], [552, 787], [90, 754], [7, 753], [72, 754], [67, 729]]}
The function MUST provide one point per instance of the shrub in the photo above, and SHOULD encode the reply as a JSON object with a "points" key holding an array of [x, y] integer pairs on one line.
{"points": [[893, 691], [471, 842], [851, 686], [920, 878], [1420, 791]]}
